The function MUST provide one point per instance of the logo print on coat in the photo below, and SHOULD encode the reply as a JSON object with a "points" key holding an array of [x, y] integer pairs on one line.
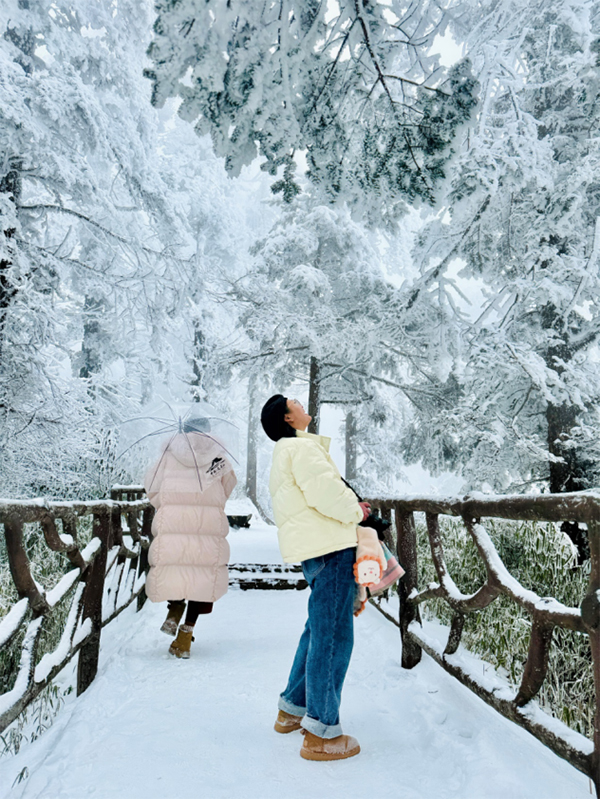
{"points": [[215, 466]]}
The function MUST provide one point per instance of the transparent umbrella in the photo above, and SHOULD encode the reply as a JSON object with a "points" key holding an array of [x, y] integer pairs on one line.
{"points": [[172, 427]]}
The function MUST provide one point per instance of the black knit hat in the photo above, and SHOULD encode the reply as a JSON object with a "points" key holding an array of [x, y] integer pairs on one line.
{"points": [[272, 419]]}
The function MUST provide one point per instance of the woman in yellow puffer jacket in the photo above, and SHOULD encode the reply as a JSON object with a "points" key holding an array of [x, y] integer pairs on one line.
{"points": [[316, 515]]}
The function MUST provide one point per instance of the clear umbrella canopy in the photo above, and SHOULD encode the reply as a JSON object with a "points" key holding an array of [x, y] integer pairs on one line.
{"points": [[194, 434]]}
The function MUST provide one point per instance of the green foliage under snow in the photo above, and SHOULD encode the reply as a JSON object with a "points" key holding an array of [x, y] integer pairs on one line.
{"points": [[47, 568], [541, 558]]}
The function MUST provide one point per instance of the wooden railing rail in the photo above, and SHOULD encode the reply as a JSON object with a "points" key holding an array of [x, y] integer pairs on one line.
{"points": [[546, 612], [108, 574]]}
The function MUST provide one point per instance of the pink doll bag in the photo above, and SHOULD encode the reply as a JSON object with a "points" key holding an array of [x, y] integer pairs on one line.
{"points": [[393, 572]]}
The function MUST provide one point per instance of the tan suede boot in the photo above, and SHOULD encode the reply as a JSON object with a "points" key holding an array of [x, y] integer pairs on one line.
{"points": [[181, 645], [286, 722], [174, 614], [315, 748]]}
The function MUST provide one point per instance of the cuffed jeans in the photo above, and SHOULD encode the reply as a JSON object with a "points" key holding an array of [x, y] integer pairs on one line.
{"points": [[314, 688]]}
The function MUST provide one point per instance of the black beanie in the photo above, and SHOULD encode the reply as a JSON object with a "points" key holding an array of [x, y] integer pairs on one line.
{"points": [[272, 419]]}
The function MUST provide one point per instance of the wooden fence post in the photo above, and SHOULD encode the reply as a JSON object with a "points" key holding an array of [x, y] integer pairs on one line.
{"points": [[20, 568], [143, 566], [87, 666], [590, 613], [386, 514], [407, 556]]}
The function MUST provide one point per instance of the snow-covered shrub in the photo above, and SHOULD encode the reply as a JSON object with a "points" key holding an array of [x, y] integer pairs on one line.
{"points": [[542, 559]]}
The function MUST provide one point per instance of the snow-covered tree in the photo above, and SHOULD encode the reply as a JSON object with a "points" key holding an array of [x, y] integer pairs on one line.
{"points": [[318, 308], [98, 256], [352, 83], [315, 291], [523, 214]]}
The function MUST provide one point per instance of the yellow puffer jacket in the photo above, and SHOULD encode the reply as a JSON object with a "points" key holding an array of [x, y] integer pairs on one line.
{"points": [[315, 511]]}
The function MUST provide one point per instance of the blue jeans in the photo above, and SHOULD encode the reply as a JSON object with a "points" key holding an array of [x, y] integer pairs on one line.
{"points": [[314, 688]]}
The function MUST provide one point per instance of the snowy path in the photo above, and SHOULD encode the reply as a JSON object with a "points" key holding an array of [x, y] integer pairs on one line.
{"points": [[151, 727]]}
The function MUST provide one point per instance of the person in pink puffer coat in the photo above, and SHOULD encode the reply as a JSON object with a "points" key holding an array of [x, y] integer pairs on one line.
{"points": [[189, 485]]}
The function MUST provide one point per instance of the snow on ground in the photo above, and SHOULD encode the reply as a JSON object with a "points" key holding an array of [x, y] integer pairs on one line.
{"points": [[152, 727], [258, 544]]}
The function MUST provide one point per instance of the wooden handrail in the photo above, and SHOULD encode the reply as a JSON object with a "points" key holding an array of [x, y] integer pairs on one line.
{"points": [[108, 575], [103, 565], [546, 613]]}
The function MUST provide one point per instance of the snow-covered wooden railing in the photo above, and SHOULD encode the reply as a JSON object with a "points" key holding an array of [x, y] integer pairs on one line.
{"points": [[546, 613], [266, 576], [107, 575]]}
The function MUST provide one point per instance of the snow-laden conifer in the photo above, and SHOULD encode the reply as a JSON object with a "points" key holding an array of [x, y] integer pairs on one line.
{"points": [[523, 215], [354, 84]]}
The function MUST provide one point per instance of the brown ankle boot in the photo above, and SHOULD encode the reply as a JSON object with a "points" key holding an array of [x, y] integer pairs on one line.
{"points": [[181, 645], [286, 722], [315, 748], [174, 614]]}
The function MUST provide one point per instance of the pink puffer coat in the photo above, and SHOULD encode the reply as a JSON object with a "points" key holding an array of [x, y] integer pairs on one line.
{"points": [[189, 486]]}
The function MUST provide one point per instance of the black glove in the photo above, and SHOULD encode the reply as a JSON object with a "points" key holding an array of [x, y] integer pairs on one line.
{"points": [[373, 520]]}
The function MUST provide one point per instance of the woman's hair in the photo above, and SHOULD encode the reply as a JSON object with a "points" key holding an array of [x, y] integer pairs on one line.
{"points": [[272, 418]]}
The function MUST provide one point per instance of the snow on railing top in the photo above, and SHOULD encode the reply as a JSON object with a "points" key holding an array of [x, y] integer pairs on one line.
{"points": [[574, 506], [33, 509]]}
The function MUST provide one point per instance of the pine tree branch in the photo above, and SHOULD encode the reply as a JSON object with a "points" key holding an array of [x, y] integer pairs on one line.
{"points": [[245, 358], [417, 84], [78, 215], [427, 279], [406, 389], [330, 73], [62, 210]]}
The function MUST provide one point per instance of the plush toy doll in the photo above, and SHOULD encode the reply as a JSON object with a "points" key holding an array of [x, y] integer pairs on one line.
{"points": [[369, 567], [370, 560]]}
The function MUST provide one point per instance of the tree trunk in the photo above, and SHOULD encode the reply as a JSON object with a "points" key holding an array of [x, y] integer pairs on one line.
{"points": [[91, 349], [198, 361], [314, 399], [570, 473], [11, 184], [7, 292], [350, 446], [251, 452]]}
